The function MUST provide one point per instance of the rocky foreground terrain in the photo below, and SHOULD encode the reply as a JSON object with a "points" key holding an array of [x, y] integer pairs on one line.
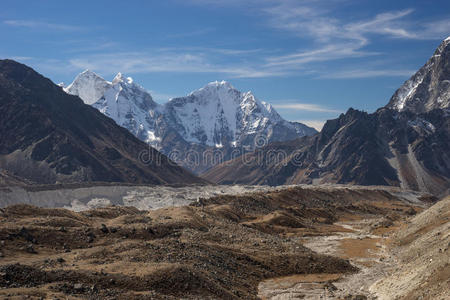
{"points": [[279, 244]]}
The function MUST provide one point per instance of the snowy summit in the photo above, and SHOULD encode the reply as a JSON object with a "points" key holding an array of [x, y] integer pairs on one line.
{"points": [[216, 115], [429, 88]]}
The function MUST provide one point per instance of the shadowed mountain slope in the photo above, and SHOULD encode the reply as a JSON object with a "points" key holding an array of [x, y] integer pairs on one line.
{"points": [[48, 136]]}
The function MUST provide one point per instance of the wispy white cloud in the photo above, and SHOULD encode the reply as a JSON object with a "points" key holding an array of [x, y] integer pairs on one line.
{"points": [[307, 107], [88, 46], [212, 50], [308, 22], [435, 30], [165, 61], [326, 53], [51, 66], [332, 38], [32, 24], [361, 73], [388, 23], [337, 39], [315, 19]]}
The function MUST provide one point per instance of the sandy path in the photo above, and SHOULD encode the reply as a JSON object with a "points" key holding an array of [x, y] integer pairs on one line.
{"points": [[364, 250]]}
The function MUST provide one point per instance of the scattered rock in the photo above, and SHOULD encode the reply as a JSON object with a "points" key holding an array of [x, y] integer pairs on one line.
{"points": [[104, 229], [30, 249], [330, 286], [411, 211]]}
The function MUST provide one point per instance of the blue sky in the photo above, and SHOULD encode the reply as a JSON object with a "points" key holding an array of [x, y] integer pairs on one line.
{"points": [[312, 59]]}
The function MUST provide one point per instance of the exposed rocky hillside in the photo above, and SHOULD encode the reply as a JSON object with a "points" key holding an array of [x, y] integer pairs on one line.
{"points": [[399, 147], [422, 251], [48, 136], [384, 148]]}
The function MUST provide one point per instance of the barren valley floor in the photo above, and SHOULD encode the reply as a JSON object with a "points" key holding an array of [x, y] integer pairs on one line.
{"points": [[290, 243]]}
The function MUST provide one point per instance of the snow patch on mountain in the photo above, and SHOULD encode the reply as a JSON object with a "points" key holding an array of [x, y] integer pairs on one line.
{"points": [[421, 125], [429, 88], [88, 86], [216, 115], [131, 106], [407, 91]]}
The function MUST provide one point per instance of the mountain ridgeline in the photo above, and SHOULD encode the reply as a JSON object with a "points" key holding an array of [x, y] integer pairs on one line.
{"points": [[216, 116], [404, 144], [48, 136]]}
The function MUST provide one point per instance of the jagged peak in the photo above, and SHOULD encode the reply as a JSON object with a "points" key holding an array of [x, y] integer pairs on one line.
{"points": [[86, 75], [89, 73], [122, 78], [248, 94], [214, 86], [88, 85], [443, 46], [222, 83]]}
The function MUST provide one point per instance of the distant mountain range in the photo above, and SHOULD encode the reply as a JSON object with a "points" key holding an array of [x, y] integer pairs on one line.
{"points": [[48, 136], [216, 116], [403, 144]]}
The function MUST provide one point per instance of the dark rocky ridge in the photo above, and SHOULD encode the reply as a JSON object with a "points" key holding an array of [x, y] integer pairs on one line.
{"points": [[384, 148], [399, 147], [48, 136]]}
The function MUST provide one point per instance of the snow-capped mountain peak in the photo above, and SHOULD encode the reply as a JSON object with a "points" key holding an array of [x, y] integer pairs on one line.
{"points": [[88, 86], [131, 106], [121, 78], [429, 88], [216, 85], [216, 115], [217, 89]]}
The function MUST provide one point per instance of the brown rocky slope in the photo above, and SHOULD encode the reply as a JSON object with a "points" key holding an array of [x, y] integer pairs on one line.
{"points": [[221, 247]]}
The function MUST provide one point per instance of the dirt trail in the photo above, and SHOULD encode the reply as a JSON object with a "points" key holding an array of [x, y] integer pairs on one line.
{"points": [[360, 245]]}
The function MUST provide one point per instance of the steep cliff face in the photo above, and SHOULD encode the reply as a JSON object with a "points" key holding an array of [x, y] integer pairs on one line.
{"points": [[219, 115], [88, 86], [429, 88]]}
